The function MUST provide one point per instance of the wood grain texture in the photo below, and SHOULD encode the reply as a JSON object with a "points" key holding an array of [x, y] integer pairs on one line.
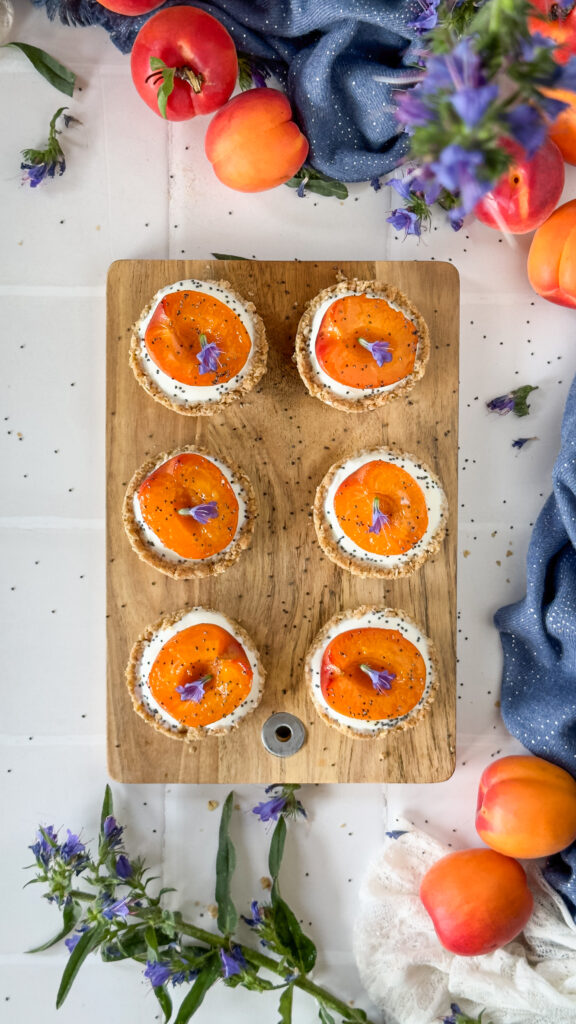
{"points": [[282, 589]]}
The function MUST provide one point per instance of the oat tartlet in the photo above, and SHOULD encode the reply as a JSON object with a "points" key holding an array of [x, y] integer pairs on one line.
{"points": [[189, 514], [361, 344], [195, 673], [197, 346], [371, 672], [381, 512]]}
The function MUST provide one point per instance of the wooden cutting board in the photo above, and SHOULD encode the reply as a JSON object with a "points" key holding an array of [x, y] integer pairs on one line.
{"points": [[282, 589]]}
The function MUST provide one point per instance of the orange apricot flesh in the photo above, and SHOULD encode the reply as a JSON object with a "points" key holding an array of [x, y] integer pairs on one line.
{"points": [[400, 498]]}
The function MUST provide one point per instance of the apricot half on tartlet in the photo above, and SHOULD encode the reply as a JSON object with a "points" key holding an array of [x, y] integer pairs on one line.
{"points": [[381, 512], [188, 514], [371, 671], [197, 346], [195, 673], [360, 344]]}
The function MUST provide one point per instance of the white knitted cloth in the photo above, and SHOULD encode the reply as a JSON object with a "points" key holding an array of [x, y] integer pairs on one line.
{"points": [[413, 979]]}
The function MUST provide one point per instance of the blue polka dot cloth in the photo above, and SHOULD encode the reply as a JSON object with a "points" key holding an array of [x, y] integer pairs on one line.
{"points": [[339, 61], [538, 637]]}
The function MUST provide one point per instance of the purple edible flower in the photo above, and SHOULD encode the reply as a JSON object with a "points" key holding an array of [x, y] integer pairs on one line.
{"points": [[528, 127], [233, 962], [456, 171], [157, 972], [375, 184], [72, 847], [201, 513], [180, 977], [521, 441], [112, 831], [427, 19], [74, 939], [381, 678], [124, 868], [270, 810], [43, 849], [451, 1019], [193, 690], [36, 173], [257, 918], [208, 355], [403, 186], [405, 220], [379, 519], [471, 104], [115, 908], [411, 110], [379, 350], [503, 404]]}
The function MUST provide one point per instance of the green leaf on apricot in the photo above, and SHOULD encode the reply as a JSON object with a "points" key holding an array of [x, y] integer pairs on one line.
{"points": [[310, 180], [160, 68]]}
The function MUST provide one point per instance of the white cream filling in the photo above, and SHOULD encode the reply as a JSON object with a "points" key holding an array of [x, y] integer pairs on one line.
{"points": [[188, 394], [433, 493], [346, 390], [154, 542], [370, 619], [194, 617]]}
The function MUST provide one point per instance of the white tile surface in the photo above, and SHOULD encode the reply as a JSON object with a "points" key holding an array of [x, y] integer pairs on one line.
{"points": [[137, 187]]}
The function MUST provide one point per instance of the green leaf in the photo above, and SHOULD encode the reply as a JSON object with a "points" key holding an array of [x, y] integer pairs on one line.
{"points": [[298, 946], [355, 1015], [285, 1005], [87, 943], [195, 997], [70, 916], [151, 942], [315, 181], [225, 256], [277, 847], [521, 407], [131, 943], [167, 86], [325, 1017], [51, 69], [107, 807], [165, 1002], [225, 864]]}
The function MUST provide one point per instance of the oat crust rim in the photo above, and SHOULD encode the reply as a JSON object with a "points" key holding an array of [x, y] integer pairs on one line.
{"points": [[413, 717], [369, 401], [185, 733], [356, 565], [256, 371], [188, 569]]}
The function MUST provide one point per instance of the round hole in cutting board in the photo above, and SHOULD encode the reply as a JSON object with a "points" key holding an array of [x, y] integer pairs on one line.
{"points": [[283, 734]]}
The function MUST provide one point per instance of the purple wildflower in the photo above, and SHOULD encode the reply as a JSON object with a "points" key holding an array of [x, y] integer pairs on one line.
{"points": [[375, 184], [380, 677], [115, 908], [157, 972], [427, 19], [456, 218], [257, 917], [183, 976], [451, 1019], [379, 519], [551, 107], [471, 104], [456, 171], [201, 513], [402, 186], [124, 868], [503, 404], [379, 350], [45, 846], [411, 110], [208, 355], [405, 220], [74, 939], [193, 690], [233, 962], [112, 831], [528, 127], [72, 847], [270, 810]]}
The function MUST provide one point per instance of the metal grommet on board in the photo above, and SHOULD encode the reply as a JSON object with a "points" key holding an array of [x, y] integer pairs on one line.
{"points": [[283, 734]]}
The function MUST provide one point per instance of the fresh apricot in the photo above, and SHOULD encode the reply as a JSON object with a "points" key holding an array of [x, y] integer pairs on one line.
{"points": [[562, 130], [478, 900], [526, 807], [552, 257], [252, 142]]}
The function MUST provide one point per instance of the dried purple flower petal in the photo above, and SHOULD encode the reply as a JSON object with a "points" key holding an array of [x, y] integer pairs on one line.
{"points": [[193, 690], [381, 679], [521, 441], [201, 513]]}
